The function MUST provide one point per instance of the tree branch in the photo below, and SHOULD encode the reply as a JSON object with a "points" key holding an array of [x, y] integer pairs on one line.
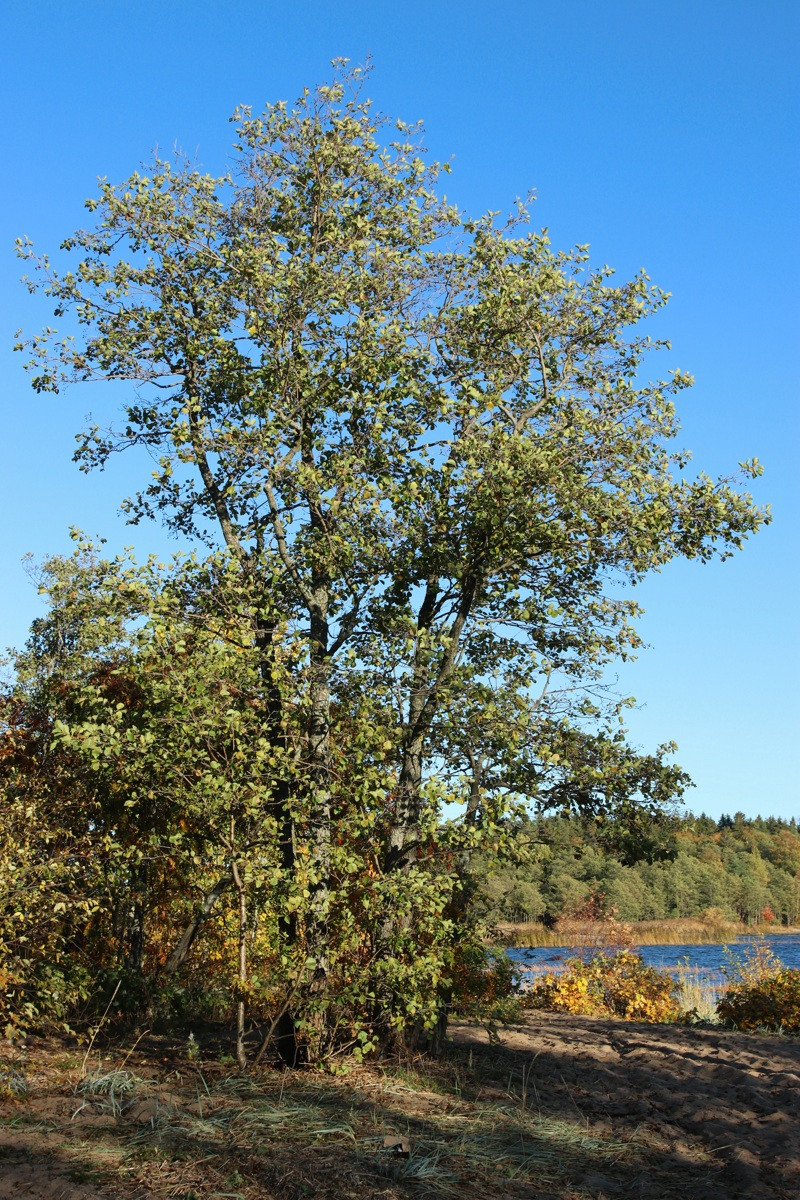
{"points": [[181, 951]]}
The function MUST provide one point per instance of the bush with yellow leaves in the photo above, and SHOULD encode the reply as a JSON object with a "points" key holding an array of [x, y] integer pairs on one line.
{"points": [[773, 1003], [762, 993], [618, 984]]}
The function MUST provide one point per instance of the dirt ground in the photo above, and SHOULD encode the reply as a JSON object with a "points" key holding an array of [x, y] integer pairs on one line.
{"points": [[560, 1107], [722, 1109]]}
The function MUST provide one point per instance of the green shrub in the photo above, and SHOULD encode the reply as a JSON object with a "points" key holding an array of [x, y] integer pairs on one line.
{"points": [[483, 981]]}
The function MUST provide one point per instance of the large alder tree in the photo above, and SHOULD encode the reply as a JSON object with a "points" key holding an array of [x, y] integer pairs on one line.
{"points": [[427, 450]]}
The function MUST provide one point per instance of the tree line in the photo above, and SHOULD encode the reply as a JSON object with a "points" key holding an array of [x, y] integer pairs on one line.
{"points": [[733, 869]]}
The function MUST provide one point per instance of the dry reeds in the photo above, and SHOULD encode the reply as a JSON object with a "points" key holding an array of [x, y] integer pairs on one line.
{"points": [[672, 932], [701, 991]]}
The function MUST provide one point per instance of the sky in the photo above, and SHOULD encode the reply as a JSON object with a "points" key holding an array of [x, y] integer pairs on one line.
{"points": [[664, 134]]}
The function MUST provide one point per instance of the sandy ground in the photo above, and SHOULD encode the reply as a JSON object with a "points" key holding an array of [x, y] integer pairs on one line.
{"points": [[723, 1097], [560, 1108]]}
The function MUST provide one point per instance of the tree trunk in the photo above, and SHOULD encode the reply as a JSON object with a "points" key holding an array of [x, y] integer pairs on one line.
{"points": [[241, 1053], [135, 957], [181, 951], [283, 1034], [320, 768], [401, 846], [403, 841]]}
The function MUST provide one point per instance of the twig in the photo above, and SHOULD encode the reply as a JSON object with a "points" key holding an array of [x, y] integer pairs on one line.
{"points": [[98, 1028], [133, 1047]]}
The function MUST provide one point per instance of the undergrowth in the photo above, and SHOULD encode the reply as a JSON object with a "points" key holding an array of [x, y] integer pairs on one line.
{"points": [[201, 1130], [609, 984], [761, 993]]}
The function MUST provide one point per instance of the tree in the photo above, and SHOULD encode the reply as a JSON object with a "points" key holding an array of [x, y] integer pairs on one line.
{"points": [[130, 745], [427, 448]]}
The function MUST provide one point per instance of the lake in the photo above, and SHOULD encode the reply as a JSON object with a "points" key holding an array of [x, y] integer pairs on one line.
{"points": [[705, 961]]}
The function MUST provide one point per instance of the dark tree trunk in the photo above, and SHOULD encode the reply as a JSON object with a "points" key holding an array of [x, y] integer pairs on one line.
{"points": [[283, 1036], [135, 956], [319, 770], [190, 933]]}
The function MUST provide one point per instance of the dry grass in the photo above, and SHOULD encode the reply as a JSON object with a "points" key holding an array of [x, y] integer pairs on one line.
{"points": [[700, 991], [677, 932], [557, 1108], [167, 1128]]}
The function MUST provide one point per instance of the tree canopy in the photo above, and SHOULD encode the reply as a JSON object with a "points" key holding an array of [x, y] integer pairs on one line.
{"points": [[423, 454]]}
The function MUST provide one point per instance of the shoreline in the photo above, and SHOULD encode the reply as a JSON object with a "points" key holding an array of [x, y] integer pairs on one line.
{"points": [[677, 931]]}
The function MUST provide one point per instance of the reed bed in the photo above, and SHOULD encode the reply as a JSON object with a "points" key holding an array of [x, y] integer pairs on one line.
{"points": [[676, 932]]}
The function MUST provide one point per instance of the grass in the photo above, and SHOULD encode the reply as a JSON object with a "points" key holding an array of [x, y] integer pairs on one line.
{"points": [[676, 932], [201, 1130], [700, 991], [13, 1082], [540, 1114]]}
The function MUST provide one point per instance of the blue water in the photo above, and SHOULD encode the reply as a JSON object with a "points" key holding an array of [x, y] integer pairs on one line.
{"points": [[707, 961]]}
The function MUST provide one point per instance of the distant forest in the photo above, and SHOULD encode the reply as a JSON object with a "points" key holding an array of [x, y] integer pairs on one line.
{"points": [[734, 868]]}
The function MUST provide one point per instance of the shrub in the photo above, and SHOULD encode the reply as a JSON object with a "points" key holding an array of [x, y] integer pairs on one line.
{"points": [[610, 985], [762, 993], [483, 981], [772, 1002], [754, 965]]}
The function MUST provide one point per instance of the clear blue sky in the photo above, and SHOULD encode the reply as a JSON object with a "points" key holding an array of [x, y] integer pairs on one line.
{"points": [[665, 134]]}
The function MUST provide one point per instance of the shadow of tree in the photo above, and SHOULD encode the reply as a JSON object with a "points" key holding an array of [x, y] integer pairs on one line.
{"points": [[565, 1108], [698, 1097]]}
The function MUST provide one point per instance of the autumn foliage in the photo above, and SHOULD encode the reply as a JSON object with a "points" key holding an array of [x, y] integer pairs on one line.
{"points": [[615, 984], [415, 455], [761, 992]]}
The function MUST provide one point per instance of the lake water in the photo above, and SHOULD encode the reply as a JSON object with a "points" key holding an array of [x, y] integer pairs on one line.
{"points": [[705, 962]]}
